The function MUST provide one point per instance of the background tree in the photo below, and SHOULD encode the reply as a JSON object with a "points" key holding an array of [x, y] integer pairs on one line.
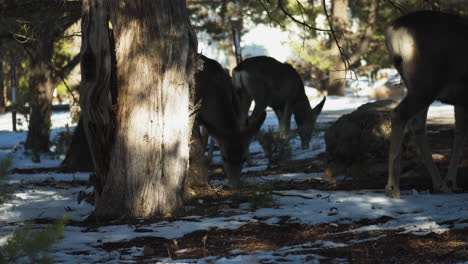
{"points": [[37, 26], [136, 110]]}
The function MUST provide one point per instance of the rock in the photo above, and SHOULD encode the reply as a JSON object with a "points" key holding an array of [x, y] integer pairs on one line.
{"points": [[357, 146]]}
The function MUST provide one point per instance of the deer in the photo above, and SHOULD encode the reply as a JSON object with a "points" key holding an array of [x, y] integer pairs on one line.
{"points": [[218, 113], [269, 82], [428, 50]]}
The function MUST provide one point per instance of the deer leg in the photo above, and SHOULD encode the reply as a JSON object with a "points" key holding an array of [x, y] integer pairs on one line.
{"points": [[461, 122], [408, 108], [287, 116], [279, 115], [244, 105], [419, 132]]}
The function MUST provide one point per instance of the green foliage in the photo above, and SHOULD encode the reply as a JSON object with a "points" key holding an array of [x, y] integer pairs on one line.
{"points": [[5, 167], [29, 246], [261, 196], [261, 199], [275, 145]]}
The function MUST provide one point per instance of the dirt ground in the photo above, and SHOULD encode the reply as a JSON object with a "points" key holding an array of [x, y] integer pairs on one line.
{"points": [[372, 247]]}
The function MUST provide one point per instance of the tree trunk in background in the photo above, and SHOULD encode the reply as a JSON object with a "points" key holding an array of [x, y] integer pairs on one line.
{"points": [[2, 89], [41, 84], [336, 82], [78, 157], [140, 145]]}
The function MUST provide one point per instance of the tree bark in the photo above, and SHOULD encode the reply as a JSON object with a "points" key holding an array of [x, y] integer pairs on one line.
{"points": [[139, 145], [40, 82], [198, 170], [369, 32], [336, 83], [2, 89], [78, 157]]}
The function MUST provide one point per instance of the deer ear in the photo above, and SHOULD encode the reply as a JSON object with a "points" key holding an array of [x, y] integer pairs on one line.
{"points": [[318, 108], [253, 125]]}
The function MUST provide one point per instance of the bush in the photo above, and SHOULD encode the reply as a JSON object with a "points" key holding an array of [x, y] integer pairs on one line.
{"points": [[28, 246], [275, 145]]}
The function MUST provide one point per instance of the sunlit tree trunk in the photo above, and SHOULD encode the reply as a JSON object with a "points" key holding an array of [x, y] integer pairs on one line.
{"points": [[336, 84], [138, 136]]}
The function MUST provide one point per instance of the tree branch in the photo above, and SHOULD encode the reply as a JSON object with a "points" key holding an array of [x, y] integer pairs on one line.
{"points": [[369, 32], [302, 23], [335, 38]]}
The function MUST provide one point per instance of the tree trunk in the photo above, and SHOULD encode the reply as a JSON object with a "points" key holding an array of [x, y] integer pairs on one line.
{"points": [[2, 89], [78, 156], [43, 82], [336, 83], [139, 145], [198, 171], [41, 102]]}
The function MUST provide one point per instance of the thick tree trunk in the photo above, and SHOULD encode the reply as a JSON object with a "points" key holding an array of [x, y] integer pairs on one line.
{"points": [[140, 145], [336, 83]]}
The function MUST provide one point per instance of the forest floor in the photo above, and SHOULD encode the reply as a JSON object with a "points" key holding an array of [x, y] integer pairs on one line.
{"points": [[285, 214]]}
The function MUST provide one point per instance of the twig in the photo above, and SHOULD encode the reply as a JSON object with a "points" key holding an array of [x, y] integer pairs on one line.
{"points": [[396, 6], [292, 195], [302, 23], [340, 49], [269, 14]]}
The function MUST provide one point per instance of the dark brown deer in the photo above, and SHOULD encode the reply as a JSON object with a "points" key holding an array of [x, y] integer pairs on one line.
{"points": [[269, 82], [218, 113], [429, 51]]}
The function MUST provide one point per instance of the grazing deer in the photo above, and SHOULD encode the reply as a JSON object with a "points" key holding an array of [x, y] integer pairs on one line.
{"points": [[429, 51], [218, 114], [271, 83]]}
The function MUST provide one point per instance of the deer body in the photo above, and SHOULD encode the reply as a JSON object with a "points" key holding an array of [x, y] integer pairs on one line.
{"points": [[218, 113], [269, 82], [429, 51]]}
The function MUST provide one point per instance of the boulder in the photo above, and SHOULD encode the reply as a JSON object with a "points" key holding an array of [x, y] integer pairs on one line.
{"points": [[357, 146]]}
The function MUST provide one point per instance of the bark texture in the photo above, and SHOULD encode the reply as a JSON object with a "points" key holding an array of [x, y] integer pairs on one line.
{"points": [[336, 85], [41, 101], [2, 89], [337, 80], [139, 135], [198, 171], [78, 156]]}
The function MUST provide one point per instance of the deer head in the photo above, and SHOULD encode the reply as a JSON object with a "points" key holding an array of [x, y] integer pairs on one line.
{"points": [[305, 119], [234, 146]]}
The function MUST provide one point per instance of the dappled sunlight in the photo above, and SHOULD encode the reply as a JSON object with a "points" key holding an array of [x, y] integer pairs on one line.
{"points": [[43, 202]]}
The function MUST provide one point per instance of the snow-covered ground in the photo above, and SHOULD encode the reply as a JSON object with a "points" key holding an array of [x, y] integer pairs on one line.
{"points": [[417, 213]]}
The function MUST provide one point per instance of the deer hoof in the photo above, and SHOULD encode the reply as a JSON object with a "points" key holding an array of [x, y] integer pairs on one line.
{"points": [[392, 191]]}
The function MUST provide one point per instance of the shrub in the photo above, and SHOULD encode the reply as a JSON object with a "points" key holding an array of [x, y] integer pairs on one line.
{"points": [[29, 246], [275, 145]]}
